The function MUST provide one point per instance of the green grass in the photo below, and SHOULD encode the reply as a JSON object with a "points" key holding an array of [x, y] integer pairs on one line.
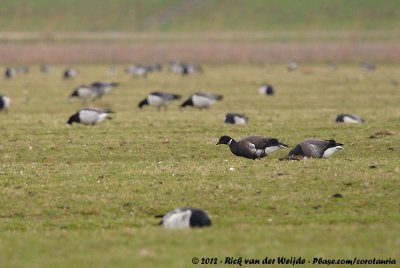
{"points": [[87, 196], [189, 16]]}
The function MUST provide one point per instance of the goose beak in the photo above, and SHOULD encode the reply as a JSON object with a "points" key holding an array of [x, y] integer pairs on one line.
{"points": [[217, 143]]}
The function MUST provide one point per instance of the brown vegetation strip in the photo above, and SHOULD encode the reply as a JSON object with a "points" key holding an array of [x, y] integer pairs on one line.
{"points": [[202, 52]]}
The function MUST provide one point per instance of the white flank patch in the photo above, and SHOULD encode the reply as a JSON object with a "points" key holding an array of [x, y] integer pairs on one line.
{"points": [[156, 100], [271, 149], [179, 220], [330, 151], [7, 102], [89, 117], [202, 102], [101, 117], [262, 90], [350, 120], [239, 120]]}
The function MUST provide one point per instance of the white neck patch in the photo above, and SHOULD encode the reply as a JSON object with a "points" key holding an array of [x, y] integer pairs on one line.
{"points": [[229, 142]]}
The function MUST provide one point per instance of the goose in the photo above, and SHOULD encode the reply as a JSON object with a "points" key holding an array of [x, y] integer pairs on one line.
{"points": [[292, 66], [4, 103], [89, 116], [368, 66], [185, 217], [70, 73], [85, 93], [9, 72], [313, 148], [46, 68], [349, 118], [159, 99], [266, 89], [252, 147], [104, 87], [202, 100], [137, 70], [236, 118]]}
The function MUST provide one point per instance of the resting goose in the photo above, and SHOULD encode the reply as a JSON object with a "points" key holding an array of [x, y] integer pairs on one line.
{"points": [[185, 217], [252, 147], [313, 148], [235, 118], [349, 118], [89, 116]]}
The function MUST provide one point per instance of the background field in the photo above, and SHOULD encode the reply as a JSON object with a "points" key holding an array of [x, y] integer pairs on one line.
{"points": [[87, 196], [199, 15]]}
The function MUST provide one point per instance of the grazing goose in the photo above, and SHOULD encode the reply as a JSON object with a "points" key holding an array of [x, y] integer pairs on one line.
{"points": [[85, 93], [349, 118], [252, 147], [159, 99], [185, 217], [202, 100], [70, 73], [4, 103], [266, 90], [235, 118], [104, 87], [313, 148], [89, 116]]}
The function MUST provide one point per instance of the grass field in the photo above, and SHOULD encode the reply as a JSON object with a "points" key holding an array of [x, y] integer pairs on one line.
{"points": [[87, 196], [199, 15]]}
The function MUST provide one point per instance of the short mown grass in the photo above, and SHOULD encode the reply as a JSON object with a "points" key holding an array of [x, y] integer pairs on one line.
{"points": [[87, 196]]}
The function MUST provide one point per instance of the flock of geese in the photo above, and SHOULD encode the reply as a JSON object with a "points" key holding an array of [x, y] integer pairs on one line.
{"points": [[251, 147]]}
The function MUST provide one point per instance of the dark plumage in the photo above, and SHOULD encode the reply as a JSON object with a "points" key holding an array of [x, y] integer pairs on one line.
{"points": [[349, 118], [201, 100], [266, 89], [70, 73], [313, 148], [159, 99], [252, 147], [236, 118], [185, 217], [9, 72], [4, 103]]}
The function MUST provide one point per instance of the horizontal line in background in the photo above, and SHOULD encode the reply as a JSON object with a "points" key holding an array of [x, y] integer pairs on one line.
{"points": [[201, 52], [187, 36]]}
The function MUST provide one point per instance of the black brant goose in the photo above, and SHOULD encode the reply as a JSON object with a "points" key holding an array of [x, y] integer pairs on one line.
{"points": [[185, 217], [236, 118], [89, 116], [4, 103], [159, 99], [202, 100], [266, 89], [252, 147], [313, 148], [349, 118]]}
